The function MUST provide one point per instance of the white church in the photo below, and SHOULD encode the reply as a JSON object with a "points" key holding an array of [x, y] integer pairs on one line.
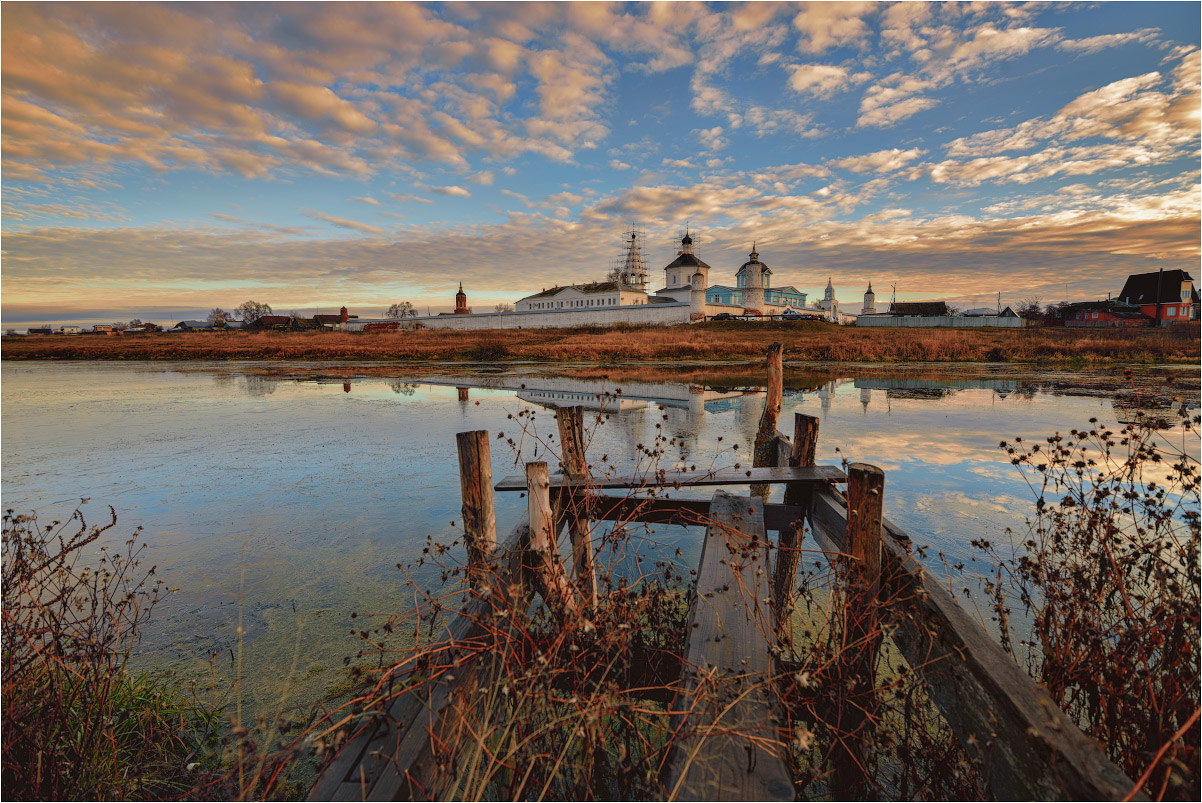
{"points": [[686, 274], [686, 297]]}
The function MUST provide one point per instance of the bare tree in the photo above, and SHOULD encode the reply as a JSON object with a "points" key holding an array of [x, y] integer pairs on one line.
{"points": [[503, 308], [219, 317], [402, 310], [136, 323], [120, 326], [251, 311], [1030, 309]]}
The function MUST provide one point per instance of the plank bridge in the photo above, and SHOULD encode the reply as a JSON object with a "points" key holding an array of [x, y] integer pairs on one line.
{"points": [[1026, 745]]}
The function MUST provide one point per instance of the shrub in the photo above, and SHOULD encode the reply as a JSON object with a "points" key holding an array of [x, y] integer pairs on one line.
{"points": [[1109, 574], [77, 723]]}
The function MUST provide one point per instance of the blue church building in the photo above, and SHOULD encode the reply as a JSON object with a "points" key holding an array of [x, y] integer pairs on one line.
{"points": [[787, 296]]}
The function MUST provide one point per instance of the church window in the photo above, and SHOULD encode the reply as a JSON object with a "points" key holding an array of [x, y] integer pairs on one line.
{"points": [[1172, 312]]}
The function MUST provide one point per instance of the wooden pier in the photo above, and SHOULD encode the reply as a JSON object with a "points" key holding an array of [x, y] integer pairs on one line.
{"points": [[734, 745]]}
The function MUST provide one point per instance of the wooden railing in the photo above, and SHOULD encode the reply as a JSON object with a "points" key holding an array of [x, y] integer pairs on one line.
{"points": [[1027, 747]]}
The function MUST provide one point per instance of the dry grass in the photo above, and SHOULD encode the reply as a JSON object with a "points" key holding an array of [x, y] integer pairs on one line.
{"points": [[807, 342]]}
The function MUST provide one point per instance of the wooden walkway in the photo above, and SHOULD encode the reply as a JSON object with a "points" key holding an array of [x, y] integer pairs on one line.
{"points": [[731, 748]]}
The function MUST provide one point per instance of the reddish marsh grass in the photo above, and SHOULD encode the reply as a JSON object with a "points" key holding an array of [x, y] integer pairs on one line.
{"points": [[561, 707], [803, 341], [77, 723], [1109, 571]]}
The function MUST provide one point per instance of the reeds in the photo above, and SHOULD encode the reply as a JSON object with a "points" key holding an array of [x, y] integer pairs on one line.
{"points": [[803, 341], [1109, 575], [545, 705], [77, 723]]}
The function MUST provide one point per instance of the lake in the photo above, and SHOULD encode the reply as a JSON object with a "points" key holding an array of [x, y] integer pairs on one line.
{"points": [[282, 497]]}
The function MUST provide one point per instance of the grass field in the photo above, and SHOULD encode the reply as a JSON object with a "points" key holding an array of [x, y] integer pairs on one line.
{"points": [[711, 341]]}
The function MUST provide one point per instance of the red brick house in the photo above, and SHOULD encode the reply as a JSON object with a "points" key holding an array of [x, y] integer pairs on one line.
{"points": [[1167, 296], [1105, 314]]}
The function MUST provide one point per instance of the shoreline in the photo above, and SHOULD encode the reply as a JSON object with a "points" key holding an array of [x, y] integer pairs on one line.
{"points": [[709, 345]]}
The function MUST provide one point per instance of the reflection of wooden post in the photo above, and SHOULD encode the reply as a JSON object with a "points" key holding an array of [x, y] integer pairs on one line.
{"points": [[475, 482], [765, 438], [544, 554], [462, 394], [798, 494], [571, 435], [865, 496]]}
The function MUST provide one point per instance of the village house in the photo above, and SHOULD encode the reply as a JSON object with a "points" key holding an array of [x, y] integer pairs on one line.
{"points": [[1166, 297], [1108, 313]]}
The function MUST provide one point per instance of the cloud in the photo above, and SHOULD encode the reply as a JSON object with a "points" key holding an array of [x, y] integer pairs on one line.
{"points": [[616, 164], [684, 163], [712, 138], [408, 198], [453, 191], [345, 223], [879, 162], [823, 80], [1093, 44], [367, 200], [484, 177], [826, 25]]}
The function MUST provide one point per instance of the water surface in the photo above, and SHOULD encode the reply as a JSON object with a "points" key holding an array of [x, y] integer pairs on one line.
{"points": [[284, 506]]}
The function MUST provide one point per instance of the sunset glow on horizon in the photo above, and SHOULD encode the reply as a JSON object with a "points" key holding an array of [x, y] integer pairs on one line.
{"points": [[161, 160]]}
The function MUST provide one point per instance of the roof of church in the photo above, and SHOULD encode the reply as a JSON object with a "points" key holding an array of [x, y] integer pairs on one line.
{"points": [[593, 287], [763, 268], [686, 261]]}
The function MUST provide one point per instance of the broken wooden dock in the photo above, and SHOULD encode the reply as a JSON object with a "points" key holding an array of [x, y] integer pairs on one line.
{"points": [[732, 746]]}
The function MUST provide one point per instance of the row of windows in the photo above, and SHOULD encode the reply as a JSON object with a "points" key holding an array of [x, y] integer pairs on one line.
{"points": [[584, 302], [1169, 312]]}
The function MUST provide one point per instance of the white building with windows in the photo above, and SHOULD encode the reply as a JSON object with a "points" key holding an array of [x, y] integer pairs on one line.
{"points": [[583, 297]]}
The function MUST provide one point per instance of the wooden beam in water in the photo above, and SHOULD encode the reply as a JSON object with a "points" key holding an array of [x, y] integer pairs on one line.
{"points": [[543, 553], [575, 467], [1030, 749], [788, 552], [865, 499], [689, 479], [765, 453], [475, 480], [728, 748], [683, 512]]}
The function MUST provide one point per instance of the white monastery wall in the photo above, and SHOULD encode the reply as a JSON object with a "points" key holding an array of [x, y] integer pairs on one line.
{"points": [[660, 314], [943, 321]]}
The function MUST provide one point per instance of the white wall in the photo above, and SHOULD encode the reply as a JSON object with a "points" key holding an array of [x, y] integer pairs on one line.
{"points": [[944, 321], [659, 314]]}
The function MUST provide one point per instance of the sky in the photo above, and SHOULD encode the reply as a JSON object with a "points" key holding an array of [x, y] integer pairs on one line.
{"points": [[160, 160]]}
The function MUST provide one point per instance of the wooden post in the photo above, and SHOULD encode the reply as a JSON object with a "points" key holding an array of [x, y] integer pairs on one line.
{"points": [[865, 497], [788, 551], [544, 553], [765, 437], [479, 519], [575, 466]]}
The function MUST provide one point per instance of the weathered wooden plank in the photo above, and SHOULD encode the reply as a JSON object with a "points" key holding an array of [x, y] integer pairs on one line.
{"points": [[392, 755], [801, 452], [575, 466], [475, 481], [683, 479], [728, 748], [764, 453], [684, 512], [1029, 747], [865, 498], [544, 551]]}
